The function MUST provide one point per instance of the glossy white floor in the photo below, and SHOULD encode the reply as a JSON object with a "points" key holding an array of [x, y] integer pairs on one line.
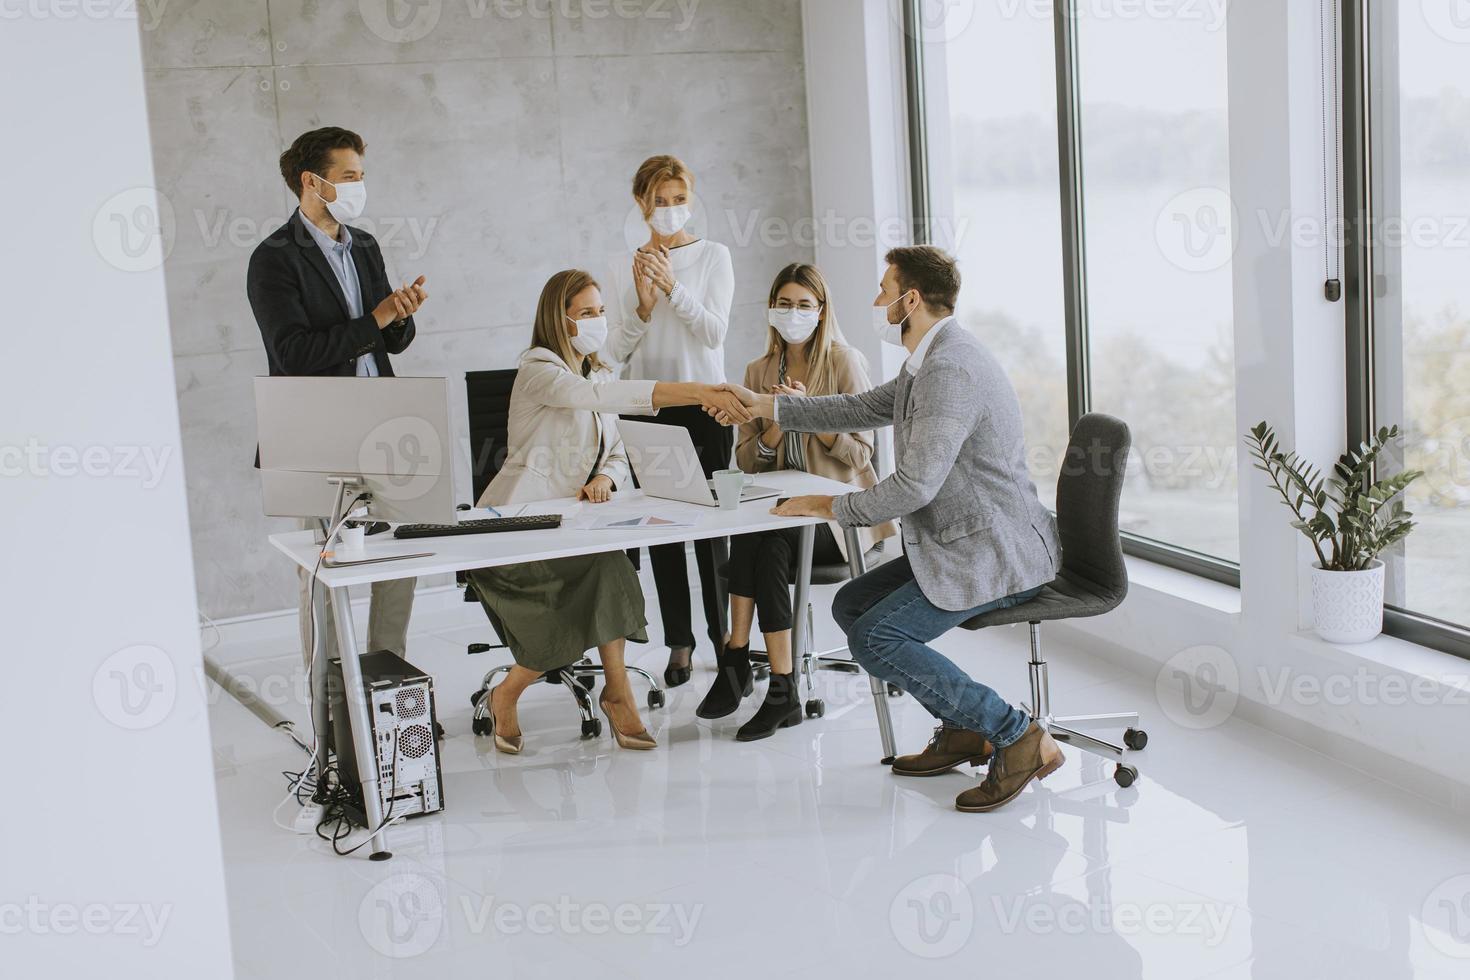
{"points": [[1239, 854]]}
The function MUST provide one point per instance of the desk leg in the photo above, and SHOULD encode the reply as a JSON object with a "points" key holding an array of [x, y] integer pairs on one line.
{"points": [[856, 567], [720, 549], [359, 711], [801, 640], [320, 706]]}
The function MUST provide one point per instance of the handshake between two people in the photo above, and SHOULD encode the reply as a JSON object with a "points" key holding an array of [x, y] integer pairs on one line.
{"points": [[732, 404]]}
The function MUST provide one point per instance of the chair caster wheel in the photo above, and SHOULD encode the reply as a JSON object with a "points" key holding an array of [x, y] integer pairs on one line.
{"points": [[1125, 776], [592, 729], [480, 726], [1135, 739], [475, 648], [587, 681], [894, 691], [655, 699], [476, 697], [816, 708]]}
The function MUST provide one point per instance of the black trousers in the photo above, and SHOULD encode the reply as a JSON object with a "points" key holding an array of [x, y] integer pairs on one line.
{"points": [[714, 443], [763, 566]]}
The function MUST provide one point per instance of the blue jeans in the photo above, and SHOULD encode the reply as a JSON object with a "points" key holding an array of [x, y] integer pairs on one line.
{"points": [[889, 623]]}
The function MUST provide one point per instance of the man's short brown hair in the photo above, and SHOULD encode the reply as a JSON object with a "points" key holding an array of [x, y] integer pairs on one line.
{"points": [[930, 272], [313, 152]]}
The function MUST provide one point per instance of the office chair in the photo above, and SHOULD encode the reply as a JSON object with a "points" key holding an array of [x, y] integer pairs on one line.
{"points": [[833, 659], [489, 407], [1093, 581]]}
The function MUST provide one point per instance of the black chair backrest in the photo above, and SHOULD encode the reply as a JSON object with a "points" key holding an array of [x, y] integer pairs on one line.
{"points": [[489, 404], [1089, 489]]}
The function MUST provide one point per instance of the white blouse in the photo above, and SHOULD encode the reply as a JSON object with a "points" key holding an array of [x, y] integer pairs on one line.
{"points": [[684, 339]]}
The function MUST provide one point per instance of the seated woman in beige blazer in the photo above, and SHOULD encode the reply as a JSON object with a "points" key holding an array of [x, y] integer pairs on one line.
{"points": [[805, 354], [563, 442]]}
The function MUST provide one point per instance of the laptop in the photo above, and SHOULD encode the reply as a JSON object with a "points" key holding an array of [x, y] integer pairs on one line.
{"points": [[667, 467]]}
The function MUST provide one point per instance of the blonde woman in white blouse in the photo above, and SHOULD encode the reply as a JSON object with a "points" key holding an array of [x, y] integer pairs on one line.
{"points": [[673, 311]]}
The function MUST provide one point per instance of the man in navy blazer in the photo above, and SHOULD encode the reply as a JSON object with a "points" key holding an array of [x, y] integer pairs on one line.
{"points": [[326, 308]]}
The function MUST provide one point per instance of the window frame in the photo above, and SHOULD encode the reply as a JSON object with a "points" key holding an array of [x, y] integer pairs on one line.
{"points": [[1359, 270], [1074, 257]]}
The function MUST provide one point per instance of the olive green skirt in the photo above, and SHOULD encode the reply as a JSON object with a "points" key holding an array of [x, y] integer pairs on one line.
{"points": [[550, 613]]}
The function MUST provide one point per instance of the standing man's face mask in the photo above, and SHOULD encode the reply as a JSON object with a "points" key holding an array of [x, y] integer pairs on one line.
{"points": [[351, 199], [890, 333], [670, 221], [591, 335]]}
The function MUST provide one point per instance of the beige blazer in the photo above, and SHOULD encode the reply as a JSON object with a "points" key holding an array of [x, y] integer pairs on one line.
{"points": [[850, 460], [561, 427]]}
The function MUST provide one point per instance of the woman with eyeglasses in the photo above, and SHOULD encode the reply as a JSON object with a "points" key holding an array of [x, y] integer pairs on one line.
{"points": [[805, 355], [563, 442]]}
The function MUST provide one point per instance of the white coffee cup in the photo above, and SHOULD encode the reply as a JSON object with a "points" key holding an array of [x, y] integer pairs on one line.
{"points": [[351, 542], [729, 485]]}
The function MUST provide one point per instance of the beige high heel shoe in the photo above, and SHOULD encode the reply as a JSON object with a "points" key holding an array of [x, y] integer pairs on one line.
{"points": [[508, 745], [639, 741]]}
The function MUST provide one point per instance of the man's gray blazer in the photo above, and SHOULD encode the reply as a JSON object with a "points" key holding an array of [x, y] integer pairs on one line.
{"points": [[973, 528]]}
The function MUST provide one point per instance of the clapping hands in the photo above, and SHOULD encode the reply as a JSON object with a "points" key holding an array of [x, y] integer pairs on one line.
{"points": [[656, 266], [401, 304]]}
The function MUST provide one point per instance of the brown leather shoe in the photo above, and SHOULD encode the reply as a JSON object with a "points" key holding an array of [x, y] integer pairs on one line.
{"points": [[1035, 755], [948, 749]]}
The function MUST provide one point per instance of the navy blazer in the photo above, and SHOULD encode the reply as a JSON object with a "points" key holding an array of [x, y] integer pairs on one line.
{"points": [[302, 313]]}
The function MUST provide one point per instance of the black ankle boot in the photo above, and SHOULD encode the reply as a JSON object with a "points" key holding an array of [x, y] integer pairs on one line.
{"points": [[781, 709], [674, 674], [732, 683]]}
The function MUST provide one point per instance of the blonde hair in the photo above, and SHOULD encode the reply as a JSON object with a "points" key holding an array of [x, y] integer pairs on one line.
{"points": [[824, 342], [653, 174], [550, 329]]}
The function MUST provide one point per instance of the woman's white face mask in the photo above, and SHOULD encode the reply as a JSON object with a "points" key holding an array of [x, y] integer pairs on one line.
{"points": [[591, 335], [671, 221], [794, 325]]}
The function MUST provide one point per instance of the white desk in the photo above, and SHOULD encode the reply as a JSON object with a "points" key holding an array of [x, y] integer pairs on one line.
{"points": [[465, 552]]}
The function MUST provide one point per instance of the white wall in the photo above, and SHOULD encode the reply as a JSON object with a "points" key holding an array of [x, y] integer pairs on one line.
{"points": [[111, 847], [502, 140]]}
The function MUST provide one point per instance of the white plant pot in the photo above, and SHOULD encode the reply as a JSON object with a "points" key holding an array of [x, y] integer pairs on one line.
{"points": [[1347, 607]]}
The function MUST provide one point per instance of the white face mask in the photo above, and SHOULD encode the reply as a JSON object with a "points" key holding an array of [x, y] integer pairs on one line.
{"points": [[670, 221], [350, 202], [591, 335], [890, 333], [794, 325]]}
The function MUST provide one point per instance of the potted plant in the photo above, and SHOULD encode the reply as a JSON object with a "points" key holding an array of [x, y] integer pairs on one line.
{"points": [[1350, 518]]}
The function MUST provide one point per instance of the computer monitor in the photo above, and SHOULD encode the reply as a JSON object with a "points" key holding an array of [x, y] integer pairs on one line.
{"points": [[387, 437]]}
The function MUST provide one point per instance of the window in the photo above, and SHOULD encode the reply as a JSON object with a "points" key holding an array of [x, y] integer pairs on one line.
{"points": [[999, 210], [1408, 287], [1156, 197], [1106, 284]]}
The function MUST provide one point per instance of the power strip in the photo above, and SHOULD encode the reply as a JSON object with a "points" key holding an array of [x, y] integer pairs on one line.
{"points": [[307, 820]]}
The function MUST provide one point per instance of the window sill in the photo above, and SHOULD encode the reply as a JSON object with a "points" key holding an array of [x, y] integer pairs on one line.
{"points": [[1392, 655], [1182, 587]]}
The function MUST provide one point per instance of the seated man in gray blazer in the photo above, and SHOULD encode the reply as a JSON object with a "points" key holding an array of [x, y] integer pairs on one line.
{"points": [[975, 536]]}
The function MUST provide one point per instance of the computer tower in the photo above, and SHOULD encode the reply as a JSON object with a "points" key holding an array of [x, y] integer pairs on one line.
{"points": [[401, 708]]}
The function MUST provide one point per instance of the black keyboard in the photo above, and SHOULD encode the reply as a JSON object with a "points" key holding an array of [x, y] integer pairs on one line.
{"points": [[494, 525]]}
